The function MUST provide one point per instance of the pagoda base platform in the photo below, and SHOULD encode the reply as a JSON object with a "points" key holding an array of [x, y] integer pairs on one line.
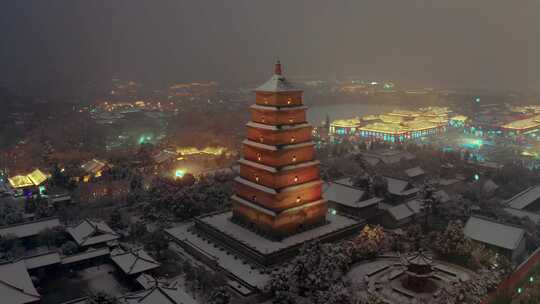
{"points": [[219, 228]]}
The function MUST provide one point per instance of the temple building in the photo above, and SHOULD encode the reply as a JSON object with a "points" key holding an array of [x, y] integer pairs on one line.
{"points": [[396, 126], [278, 192], [277, 205]]}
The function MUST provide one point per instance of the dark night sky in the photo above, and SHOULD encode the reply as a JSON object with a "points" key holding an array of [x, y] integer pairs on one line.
{"points": [[466, 43]]}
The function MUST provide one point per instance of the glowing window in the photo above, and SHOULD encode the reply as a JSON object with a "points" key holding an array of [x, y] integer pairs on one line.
{"points": [[263, 119], [266, 101], [291, 120], [259, 156], [294, 158], [289, 100], [293, 139], [261, 139], [296, 179], [298, 199], [256, 178]]}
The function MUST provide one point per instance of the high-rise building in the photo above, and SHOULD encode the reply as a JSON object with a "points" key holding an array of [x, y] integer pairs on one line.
{"points": [[279, 190]]}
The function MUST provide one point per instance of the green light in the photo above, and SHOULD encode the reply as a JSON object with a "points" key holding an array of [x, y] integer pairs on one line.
{"points": [[531, 279], [477, 99], [476, 177], [41, 190], [179, 173], [520, 290]]}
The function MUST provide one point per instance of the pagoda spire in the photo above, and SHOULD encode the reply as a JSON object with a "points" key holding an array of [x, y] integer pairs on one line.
{"points": [[277, 68]]}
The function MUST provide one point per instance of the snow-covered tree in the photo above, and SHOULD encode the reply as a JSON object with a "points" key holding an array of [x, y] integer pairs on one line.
{"points": [[453, 242], [102, 298], [220, 296], [369, 242], [311, 274]]}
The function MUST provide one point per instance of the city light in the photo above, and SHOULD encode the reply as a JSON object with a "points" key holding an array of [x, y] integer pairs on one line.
{"points": [[179, 173]]}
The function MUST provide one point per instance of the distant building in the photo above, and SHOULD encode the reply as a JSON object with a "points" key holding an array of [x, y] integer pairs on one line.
{"points": [[527, 200], [16, 286], [30, 182], [93, 169], [402, 214], [415, 173], [133, 262], [508, 240], [345, 126], [30, 229], [351, 201], [92, 233]]}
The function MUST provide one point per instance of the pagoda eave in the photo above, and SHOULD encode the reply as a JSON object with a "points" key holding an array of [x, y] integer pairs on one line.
{"points": [[273, 191], [276, 148], [270, 169]]}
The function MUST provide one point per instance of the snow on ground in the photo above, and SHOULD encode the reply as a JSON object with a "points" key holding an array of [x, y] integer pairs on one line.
{"points": [[235, 265]]}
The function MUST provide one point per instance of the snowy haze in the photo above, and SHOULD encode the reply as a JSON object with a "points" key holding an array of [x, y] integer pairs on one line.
{"points": [[65, 44]]}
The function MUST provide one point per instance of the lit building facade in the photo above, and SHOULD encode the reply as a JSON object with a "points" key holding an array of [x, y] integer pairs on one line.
{"points": [[345, 126], [397, 126], [279, 190]]}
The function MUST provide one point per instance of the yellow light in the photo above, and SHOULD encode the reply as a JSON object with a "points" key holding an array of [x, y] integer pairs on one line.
{"points": [[179, 173]]}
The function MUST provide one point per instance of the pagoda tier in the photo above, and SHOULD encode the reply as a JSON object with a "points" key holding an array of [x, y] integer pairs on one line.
{"points": [[279, 190]]}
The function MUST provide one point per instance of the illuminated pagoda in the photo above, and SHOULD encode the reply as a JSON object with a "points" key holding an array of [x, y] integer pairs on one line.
{"points": [[279, 190], [277, 205]]}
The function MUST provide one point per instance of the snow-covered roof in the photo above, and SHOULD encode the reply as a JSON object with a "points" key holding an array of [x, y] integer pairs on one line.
{"points": [[133, 262], [160, 295], [371, 160], [90, 232], [535, 217], [29, 229], [493, 233], [93, 166], [147, 281], [221, 221], [447, 182], [344, 181], [415, 171], [400, 212], [524, 198], [342, 194], [399, 186], [86, 255], [405, 210], [277, 83], [164, 156], [41, 260], [389, 156], [369, 202], [490, 186], [16, 287]]}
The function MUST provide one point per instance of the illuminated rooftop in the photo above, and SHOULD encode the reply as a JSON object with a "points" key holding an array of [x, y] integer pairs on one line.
{"points": [[409, 126], [346, 123], [459, 118], [523, 124], [35, 178]]}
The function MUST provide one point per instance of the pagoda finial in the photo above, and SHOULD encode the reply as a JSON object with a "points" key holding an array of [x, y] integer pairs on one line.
{"points": [[277, 68]]}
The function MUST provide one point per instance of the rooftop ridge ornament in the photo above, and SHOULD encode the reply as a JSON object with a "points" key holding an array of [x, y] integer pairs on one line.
{"points": [[277, 68]]}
